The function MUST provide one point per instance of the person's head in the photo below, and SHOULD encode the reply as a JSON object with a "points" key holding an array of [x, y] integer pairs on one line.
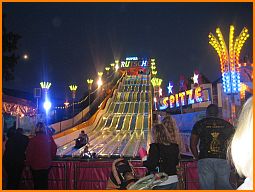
{"points": [[241, 146], [168, 121], [19, 131], [82, 132], [40, 128], [160, 134], [11, 132], [171, 127], [212, 110]]}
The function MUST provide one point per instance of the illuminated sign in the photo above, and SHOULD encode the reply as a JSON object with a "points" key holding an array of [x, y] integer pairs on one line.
{"points": [[131, 58], [134, 62], [183, 98]]}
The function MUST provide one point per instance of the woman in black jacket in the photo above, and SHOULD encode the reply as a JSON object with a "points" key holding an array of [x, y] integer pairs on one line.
{"points": [[163, 157]]}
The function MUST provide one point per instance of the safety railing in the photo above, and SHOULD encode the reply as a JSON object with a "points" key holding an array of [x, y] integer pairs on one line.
{"points": [[84, 174]]}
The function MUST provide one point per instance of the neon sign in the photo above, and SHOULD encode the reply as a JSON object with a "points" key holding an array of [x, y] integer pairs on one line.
{"points": [[131, 58], [187, 97], [170, 87], [134, 62]]}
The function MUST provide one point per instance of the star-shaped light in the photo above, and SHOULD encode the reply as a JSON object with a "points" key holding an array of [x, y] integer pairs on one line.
{"points": [[170, 88], [195, 78]]}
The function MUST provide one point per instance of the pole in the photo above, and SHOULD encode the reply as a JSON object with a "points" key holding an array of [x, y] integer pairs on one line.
{"points": [[36, 115], [232, 108], [89, 99], [73, 110]]}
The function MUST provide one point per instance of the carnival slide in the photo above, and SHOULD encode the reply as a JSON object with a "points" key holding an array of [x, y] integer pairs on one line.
{"points": [[125, 125]]}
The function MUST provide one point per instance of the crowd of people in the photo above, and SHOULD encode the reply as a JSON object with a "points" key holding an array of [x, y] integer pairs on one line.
{"points": [[37, 153], [215, 144]]}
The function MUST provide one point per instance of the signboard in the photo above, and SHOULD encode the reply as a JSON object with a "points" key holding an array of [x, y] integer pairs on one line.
{"points": [[134, 62], [188, 97]]}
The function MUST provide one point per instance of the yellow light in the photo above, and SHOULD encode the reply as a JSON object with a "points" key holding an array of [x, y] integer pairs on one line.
{"points": [[73, 87], [99, 82], [116, 67], [156, 82], [107, 68], [154, 72], [100, 74], [90, 81], [45, 85]]}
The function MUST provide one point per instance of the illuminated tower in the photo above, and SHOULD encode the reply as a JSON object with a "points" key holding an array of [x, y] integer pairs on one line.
{"points": [[229, 61]]}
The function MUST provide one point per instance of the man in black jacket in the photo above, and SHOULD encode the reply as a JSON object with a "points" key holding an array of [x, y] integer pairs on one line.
{"points": [[14, 157]]}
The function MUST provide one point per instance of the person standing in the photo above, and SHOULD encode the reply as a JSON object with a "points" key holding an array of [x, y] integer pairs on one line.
{"points": [[14, 158], [170, 124], [163, 157], [40, 152], [241, 146], [213, 134]]}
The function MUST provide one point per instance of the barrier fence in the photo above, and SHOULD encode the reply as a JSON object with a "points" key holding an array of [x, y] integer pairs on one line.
{"points": [[74, 175]]}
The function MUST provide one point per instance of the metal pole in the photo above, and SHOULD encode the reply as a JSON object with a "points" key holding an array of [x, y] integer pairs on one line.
{"points": [[232, 108], [73, 110], [36, 115], [89, 99]]}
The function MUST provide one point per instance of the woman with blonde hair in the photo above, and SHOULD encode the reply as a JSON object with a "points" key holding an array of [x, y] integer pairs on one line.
{"points": [[171, 126], [163, 157], [241, 146]]}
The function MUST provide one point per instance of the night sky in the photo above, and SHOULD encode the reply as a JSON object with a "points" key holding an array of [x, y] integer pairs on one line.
{"points": [[69, 42]]}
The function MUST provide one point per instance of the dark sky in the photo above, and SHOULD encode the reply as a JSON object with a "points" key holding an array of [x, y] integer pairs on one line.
{"points": [[69, 42]]}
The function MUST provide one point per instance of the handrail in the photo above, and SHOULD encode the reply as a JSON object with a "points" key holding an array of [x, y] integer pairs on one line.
{"points": [[92, 119]]}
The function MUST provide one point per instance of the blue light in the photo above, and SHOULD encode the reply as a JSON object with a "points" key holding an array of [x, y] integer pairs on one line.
{"points": [[162, 107], [47, 105], [144, 63]]}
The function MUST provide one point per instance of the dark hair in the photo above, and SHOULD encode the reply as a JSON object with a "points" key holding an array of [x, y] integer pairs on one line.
{"points": [[11, 131], [212, 110], [40, 128], [19, 130], [82, 131]]}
